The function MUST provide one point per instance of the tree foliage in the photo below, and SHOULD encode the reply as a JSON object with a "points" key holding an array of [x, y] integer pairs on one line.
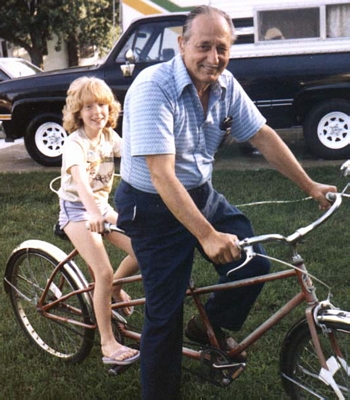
{"points": [[80, 23]]}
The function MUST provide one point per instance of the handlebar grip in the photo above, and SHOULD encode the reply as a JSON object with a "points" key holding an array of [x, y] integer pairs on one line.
{"points": [[107, 227], [331, 197]]}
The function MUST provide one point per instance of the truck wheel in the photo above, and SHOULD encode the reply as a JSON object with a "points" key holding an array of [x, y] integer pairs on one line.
{"points": [[44, 139], [327, 129]]}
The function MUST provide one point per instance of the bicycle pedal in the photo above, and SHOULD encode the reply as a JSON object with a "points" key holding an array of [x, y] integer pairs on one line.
{"points": [[237, 371], [118, 369]]}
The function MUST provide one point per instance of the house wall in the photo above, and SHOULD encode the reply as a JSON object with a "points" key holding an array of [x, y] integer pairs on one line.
{"points": [[55, 59]]}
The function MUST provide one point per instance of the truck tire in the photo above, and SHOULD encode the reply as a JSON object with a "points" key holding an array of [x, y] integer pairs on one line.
{"points": [[44, 139], [327, 129]]}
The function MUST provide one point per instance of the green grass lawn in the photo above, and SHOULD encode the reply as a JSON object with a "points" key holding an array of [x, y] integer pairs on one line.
{"points": [[29, 211]]}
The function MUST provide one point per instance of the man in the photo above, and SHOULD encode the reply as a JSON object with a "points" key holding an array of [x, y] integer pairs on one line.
{"points": [[176, 115]]}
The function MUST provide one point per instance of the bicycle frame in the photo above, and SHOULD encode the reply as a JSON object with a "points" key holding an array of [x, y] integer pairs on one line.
{"points": [[299, 272], [307, 294]]}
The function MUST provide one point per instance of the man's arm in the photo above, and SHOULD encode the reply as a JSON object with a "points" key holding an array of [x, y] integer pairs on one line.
{"points": [[219, 247], [278, 154]]}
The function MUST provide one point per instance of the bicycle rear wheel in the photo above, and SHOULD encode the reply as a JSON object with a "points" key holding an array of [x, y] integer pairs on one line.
{"points": [[300, 367], [28, 270]]}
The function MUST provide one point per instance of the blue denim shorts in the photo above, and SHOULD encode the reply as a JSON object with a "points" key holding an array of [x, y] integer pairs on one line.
{"points": [[75, 211]]}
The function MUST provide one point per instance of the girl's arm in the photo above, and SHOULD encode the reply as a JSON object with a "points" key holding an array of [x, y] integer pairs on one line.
{"points": [[80, 177]]}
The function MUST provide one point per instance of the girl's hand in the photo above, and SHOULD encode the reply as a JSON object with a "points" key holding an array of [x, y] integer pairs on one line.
{"points": [[95, 223]]}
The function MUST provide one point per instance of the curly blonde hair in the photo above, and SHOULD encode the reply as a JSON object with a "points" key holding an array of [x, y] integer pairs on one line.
{"points": [[85, 90]]}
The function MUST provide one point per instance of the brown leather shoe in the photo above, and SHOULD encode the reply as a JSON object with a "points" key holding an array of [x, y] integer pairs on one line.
{"points": [[196, 332]]}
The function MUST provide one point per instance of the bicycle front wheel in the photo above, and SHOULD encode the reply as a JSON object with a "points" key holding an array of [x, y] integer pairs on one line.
{"points": [[301, 370], [58, 333]]}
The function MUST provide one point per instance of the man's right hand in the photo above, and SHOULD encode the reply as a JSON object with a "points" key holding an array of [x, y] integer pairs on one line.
{"points": [[221, 248]]}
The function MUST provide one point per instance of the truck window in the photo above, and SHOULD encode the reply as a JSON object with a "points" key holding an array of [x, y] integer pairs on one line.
{"points": [[153, 42], [165, 46]]}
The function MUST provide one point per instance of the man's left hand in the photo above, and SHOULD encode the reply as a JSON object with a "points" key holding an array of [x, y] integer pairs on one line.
{"points": [[319, 191]]}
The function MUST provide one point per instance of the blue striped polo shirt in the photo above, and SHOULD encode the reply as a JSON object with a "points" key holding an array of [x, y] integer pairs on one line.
{"points": [[163, 115]]}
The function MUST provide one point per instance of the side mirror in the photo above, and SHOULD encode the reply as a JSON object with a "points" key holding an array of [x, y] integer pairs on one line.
{"points": [[128, 67], [130, 56]]}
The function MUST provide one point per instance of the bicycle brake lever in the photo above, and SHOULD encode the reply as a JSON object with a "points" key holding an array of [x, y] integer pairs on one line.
{"points": [[249, 255]]}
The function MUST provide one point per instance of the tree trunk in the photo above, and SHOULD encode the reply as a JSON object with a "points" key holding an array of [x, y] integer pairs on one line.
{"points": [[37, 57], [73, 51], [38, 49]]}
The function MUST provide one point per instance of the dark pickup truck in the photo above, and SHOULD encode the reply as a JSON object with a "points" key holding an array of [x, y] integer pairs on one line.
{"points": [[290, 84]]}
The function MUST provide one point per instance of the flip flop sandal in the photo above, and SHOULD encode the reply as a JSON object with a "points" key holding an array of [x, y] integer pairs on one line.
{"points": [[113, 359]]}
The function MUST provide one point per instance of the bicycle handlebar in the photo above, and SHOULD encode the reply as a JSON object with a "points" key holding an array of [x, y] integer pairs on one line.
{"points": [[246, 245], [112, 228], [107, 228], [336, 198]]}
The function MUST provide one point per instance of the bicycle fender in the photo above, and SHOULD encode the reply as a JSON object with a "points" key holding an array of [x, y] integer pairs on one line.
{"points": [[70, 267], [294, 328]]}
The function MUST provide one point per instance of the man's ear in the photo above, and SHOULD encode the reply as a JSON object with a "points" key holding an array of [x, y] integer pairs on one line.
{"points": [[180, 41]]}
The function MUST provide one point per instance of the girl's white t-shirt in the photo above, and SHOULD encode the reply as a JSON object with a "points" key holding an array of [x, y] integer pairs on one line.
{"points": [[98, 161]]}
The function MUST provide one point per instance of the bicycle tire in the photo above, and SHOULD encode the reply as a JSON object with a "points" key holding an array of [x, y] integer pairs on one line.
{"points": [[299, 361], [27, 272]]}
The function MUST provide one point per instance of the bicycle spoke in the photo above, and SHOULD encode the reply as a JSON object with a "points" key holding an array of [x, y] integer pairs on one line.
{"points": [[301, 368], [59, 329]]}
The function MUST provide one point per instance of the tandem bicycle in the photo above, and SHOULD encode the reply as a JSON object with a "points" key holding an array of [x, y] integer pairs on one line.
{"points": [[52, 301]]}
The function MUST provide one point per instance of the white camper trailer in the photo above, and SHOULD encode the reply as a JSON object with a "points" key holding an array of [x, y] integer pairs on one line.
{"points": [[307, 20]]}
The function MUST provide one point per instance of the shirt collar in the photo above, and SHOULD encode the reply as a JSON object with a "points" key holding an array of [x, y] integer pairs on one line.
{"points": [[182, 79]]}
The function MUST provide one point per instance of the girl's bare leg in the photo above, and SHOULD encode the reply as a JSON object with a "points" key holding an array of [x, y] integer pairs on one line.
{"points": [[91, 248], [127, 267]]}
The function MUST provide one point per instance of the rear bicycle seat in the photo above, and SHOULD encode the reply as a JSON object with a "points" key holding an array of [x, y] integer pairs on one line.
{"points": [[59, 232]]}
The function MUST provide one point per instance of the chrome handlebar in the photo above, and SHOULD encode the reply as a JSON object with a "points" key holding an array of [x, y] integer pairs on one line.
{"points": [[246, 245], [294, 237], [336, 198]]}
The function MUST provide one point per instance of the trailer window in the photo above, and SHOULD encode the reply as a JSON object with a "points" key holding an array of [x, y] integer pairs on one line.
{"points": [[294, 23], [337, 20]]}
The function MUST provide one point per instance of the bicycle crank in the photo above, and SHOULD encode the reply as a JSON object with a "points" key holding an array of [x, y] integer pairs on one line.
{"points": [[220, 369]]}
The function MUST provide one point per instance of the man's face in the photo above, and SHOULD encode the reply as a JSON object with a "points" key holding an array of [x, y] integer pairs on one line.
{"points": [[207, 51]]}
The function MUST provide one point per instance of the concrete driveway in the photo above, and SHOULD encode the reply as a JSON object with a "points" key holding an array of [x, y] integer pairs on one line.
{"points": [[14, 157]]}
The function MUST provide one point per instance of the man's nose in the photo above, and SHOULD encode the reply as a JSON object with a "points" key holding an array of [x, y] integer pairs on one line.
{"points": [[213, 56]]}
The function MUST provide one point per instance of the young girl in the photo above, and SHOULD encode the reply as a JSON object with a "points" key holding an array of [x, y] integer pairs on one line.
{"points": [[89, 116]]}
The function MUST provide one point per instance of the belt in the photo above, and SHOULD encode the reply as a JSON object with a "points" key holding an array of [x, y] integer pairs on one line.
{"points": [[199, 189]]}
